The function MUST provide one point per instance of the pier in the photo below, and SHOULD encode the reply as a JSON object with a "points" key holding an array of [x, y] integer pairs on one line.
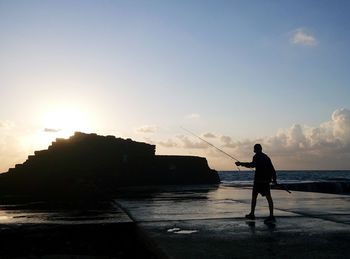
{"points": [[210, 223], [184, 222]]}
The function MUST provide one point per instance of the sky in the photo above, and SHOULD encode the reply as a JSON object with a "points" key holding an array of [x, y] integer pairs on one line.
{"points": [[233, 72]]}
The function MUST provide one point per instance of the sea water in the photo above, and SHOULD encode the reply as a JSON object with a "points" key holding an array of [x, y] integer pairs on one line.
{"points": [[242, 178]]}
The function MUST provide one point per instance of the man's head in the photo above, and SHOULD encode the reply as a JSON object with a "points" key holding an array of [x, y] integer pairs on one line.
{"points": [[257, 148]]}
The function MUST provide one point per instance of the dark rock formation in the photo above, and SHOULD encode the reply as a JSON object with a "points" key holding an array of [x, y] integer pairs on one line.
{"points": [[89, 165]]}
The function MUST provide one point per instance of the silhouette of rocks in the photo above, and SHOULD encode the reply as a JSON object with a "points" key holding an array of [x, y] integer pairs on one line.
{"points": [[89, 166]]}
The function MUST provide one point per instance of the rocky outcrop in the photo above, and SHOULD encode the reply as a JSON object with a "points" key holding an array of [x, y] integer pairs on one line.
{"points": [[89, 164]]}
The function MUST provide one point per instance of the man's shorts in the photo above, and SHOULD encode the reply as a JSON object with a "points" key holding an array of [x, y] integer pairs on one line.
{"points": [[261, 187]]}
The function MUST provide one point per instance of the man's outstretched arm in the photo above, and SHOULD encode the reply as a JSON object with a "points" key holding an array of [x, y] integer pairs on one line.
{"points": [[246, 164]]}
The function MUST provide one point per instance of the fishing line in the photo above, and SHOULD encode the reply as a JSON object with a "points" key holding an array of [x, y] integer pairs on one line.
{"points": [[210, 144]]}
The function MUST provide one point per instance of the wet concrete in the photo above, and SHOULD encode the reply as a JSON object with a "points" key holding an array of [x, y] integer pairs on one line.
{"points": [[73, 233], [29, 216], [209, 223]]}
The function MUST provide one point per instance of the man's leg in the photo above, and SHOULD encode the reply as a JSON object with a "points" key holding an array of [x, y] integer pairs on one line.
{"points": [[270, 201], [253, 204]]}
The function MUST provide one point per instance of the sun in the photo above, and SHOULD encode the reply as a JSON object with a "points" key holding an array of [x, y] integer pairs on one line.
{"points": [[61, 122], [65, 121]]}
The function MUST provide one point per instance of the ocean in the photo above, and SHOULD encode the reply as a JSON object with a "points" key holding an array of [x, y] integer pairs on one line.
{"points": [[242, 178]]}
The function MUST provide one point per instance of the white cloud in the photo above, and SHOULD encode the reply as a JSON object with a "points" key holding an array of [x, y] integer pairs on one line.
{"points": [[49, 130], [6, 125], [301, 37], [228, 142], [341, 124], [326, 146], [333, 134], [168, 143], [188, 143], [147, 129], [193, 116]]}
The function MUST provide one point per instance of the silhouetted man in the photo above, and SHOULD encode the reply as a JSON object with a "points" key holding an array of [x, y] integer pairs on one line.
{"points": [[264, 173]]}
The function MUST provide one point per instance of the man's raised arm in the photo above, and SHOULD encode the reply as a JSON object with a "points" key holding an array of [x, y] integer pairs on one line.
{"points": [[246, 164]]}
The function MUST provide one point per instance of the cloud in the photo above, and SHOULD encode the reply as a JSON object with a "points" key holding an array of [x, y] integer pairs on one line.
{"points": [[326, 146], [147, 129], [227, 142], [331, 135], [6, 125], [193, 116], [301, 37], [209, 135], [168, 143], [341, 124], [188, 143], [49, 130]]}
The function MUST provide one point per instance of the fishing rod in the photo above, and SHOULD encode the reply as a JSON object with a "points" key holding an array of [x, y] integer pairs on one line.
{"points": [[277, 186], [210, 144], [281, 187]]}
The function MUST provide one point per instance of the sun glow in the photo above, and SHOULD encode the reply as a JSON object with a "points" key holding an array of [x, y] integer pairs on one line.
{"points": [[61, 123]]}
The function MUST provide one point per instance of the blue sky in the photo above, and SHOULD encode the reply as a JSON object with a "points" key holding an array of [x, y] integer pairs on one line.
{"points": [[245, 71]]}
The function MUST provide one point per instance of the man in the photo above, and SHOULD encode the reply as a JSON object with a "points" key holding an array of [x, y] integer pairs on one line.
{"points": [[264, 173]]}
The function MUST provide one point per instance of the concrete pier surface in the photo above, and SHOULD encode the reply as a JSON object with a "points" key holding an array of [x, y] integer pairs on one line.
{"points": [[208, 222], [29, 232]]}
